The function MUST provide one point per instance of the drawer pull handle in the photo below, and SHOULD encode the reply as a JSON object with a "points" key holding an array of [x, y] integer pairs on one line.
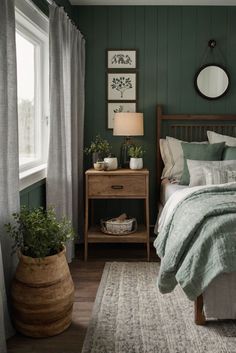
{"points": [[117, 187]]}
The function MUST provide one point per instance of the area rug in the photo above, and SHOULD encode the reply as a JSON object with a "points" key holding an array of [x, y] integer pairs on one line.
{"points": [[131, 316]]}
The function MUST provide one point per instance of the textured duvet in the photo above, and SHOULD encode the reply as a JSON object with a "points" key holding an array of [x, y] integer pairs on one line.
{"points": [[197, 238]]}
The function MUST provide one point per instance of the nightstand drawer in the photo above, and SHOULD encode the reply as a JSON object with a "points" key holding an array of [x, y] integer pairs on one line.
{"points": [[113, 185]]}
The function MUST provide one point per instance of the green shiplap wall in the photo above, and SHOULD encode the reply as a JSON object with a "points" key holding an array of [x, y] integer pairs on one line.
{"points": [[171, 43], [34, 195]]}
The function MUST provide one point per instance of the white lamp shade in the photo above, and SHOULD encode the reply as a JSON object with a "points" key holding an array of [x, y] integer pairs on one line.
{"points": [[128, 124]]}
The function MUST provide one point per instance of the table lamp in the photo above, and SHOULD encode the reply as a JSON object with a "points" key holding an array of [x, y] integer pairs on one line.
{"points": [[127, 124]]}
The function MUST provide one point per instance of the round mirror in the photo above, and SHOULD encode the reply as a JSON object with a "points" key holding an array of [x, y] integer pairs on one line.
{"points": [[212, 81]]}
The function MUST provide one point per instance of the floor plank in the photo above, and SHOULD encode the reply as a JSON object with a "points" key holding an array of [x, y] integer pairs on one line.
{"points": [[86, 276]]}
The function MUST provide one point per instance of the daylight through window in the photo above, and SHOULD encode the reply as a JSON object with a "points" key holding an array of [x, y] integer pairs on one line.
{"points": [[29, 148], [32, 90]]}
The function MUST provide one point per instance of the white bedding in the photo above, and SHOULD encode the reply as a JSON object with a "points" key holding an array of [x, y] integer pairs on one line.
{"points": [[168, 189]]}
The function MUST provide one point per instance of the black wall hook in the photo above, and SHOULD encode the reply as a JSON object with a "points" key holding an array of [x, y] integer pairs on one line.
{"points": [[212, 43]]}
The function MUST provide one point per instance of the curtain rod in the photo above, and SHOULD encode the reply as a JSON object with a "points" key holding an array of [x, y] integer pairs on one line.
{"points": [[50, 2]]}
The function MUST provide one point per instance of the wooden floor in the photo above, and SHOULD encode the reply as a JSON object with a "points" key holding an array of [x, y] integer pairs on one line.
{"points": [[86, 276]]}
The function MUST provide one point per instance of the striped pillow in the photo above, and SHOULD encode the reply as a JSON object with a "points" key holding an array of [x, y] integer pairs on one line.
{"points": [[219, 176], [197, 176]]}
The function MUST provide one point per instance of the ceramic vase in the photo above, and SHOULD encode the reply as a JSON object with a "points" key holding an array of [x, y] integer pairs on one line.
{"points": [[136, 163]]}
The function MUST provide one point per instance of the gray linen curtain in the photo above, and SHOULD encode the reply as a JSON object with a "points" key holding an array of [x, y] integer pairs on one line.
{"points": [[65, 161], [9, 164]]}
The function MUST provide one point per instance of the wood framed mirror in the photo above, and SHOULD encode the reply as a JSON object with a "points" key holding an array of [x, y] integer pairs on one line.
{"points": [[212, 81]]}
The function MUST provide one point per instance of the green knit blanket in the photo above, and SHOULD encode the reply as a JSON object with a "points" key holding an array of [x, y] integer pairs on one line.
{"points": [[199, 240]]}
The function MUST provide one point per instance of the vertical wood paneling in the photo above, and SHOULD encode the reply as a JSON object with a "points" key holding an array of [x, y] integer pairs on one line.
{"points": [[171, 44], [150, 59], [174, 58], [231, 59], [114, 27], [150, 88], [187, 61], [219, 15], [34, 195], [114, 41], [86, 23], [127, 27], [99, 80], [227, 54], [203, 29], [140, 45], [24, 199], [162, 55]]}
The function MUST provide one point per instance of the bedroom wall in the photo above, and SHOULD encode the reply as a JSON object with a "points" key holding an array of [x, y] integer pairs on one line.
{"points": [[171, 43], [34, 195]]}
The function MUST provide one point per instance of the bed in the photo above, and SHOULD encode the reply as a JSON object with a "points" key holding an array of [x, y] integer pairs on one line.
{"points": [[190, 127]]}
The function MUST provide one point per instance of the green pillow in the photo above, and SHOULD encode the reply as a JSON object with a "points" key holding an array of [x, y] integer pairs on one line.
{"points": [[229, 153], [200, 152]]}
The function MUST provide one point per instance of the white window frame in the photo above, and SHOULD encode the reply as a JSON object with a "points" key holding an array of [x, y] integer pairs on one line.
{"points": [[34, 25]]}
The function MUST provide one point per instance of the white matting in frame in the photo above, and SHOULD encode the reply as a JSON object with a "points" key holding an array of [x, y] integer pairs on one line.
{"points": [[121, 86], [121, 59], [118, 107]]}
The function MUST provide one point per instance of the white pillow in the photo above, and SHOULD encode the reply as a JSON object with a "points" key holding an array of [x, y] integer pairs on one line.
{"points": [[196, 169], [167, 160], [218, 176], [214, 137], [177, 156]]}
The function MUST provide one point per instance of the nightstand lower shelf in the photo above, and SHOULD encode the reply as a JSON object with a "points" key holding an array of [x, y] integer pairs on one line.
{"points": [[96, 236]]}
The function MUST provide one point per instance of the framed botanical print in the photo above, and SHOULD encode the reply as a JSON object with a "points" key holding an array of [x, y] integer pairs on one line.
{"points": [[121, 86], [118, 107], [121, 59]]}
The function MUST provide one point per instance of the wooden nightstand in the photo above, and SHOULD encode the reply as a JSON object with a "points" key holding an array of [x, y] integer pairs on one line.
{"points": [[117, 184]]}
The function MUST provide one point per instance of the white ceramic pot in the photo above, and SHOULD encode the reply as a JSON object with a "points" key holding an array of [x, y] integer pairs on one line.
{"points": [[99, 165], [111, 163], [136, 163]]}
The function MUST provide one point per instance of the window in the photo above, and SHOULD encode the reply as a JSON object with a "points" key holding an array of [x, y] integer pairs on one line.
{"points": [[32, 84]]}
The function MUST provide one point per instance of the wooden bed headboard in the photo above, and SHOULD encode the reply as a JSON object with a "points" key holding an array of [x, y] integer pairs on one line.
{"points": [[190, 127]]}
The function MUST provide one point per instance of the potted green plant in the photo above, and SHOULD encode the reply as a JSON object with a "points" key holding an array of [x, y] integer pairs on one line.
{"points": [[99, 149], [42, 290], [136, 153]]}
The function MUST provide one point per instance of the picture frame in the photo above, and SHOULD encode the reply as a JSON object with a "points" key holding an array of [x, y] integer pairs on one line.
{"points": [[121, 86], [115, 107], [121, 59]]}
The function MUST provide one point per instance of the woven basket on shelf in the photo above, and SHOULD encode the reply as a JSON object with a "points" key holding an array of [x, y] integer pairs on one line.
{"points": [[116, 227]]}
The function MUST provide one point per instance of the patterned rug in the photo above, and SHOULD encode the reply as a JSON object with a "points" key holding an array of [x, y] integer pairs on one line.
{"points": [[131, 316]]}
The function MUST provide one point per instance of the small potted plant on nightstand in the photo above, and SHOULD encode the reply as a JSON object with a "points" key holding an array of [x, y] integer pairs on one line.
{"points": [[136, 156], [99, 149], [42, 292]]}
